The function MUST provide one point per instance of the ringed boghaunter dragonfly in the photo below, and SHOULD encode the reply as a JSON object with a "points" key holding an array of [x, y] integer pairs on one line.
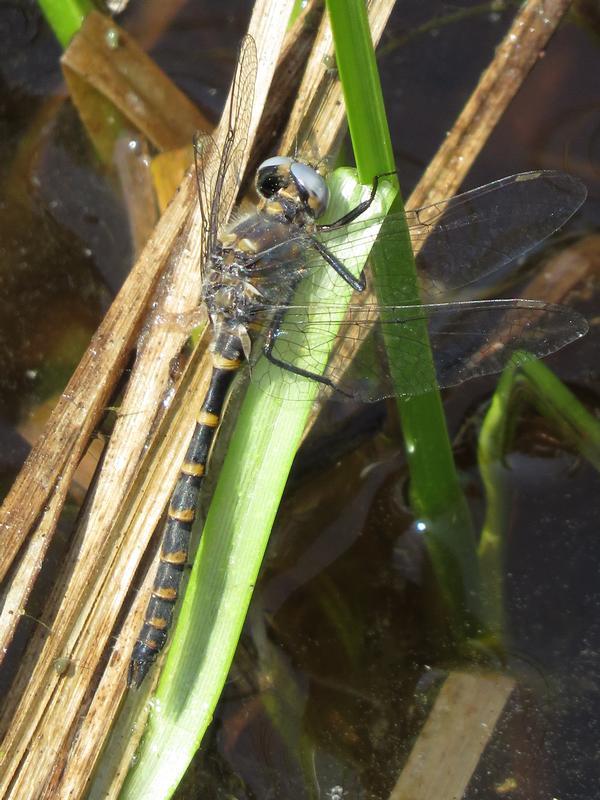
{"points": [[255, 273]]}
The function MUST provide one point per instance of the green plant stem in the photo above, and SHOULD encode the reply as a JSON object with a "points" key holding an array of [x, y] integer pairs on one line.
{"points": [[525, 381], [296, 11], [436, 494], [552, 399], [496, 432], [65, 17]]}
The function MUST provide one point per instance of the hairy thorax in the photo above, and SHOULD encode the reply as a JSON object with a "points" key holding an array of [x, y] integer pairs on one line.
{"points": [[253, 267]]}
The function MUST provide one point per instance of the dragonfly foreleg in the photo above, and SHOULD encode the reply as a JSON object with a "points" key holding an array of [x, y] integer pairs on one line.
{"points": [[355, 212]]}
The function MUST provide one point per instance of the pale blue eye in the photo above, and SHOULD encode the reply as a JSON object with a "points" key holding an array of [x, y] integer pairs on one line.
{"points": [[314, 186], [276, 161]]}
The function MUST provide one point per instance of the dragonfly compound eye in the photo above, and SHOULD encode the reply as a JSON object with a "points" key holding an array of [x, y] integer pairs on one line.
{"points": [[312, 188], [273, 175]]}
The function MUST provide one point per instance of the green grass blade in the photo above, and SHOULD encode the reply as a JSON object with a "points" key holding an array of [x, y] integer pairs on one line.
{"points": [[65, 17], [359, 76], [556, 402], [436, 495], [496, 432], [259, 456], [296, 11]]}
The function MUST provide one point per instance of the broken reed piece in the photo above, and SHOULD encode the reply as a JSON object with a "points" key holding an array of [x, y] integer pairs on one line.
{"points": [[459, 726]]}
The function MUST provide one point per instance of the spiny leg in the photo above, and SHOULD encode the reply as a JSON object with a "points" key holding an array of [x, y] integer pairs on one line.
{"points": [[286, 365], [355, 212], [358, 284]]}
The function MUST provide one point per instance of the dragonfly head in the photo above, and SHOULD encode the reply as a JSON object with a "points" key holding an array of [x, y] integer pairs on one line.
{"points": [[289, 180]]}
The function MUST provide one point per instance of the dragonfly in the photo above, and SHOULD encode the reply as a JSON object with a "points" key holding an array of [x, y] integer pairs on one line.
{"points": [[259, 270]]}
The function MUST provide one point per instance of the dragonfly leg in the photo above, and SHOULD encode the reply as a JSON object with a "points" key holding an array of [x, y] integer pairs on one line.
{"points": [[358, 284], [351, 215], [303, 373]]}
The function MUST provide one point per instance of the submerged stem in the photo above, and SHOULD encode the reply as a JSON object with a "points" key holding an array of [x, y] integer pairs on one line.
{"points": [[525, 381]]}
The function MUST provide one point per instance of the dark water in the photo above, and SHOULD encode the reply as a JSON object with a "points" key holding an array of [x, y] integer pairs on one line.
{"points": [[344, 649]]}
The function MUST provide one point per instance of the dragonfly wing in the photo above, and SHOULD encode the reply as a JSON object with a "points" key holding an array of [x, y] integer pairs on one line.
{"points": [[206, 157], [218, 169], [468, 237], [485, 229], [378, 357]]}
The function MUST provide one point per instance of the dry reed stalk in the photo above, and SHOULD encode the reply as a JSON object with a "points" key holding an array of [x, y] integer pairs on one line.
{"points": [[452, 740], [39, 757], [104, 61]]}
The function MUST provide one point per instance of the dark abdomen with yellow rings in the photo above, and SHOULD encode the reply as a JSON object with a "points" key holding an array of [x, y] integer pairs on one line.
{"points": [[227, 359]]}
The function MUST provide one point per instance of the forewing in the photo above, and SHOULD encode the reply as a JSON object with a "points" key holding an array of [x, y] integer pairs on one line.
{"points": [[485, 229], [380, 358], [236, 136], [207, 158], [468, 237], [218, 170]]}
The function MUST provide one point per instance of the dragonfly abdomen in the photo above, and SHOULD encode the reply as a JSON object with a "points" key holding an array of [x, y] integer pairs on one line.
{"points": [[227, 358]]}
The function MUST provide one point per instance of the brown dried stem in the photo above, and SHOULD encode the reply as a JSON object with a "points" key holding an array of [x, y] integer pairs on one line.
{"points": [[39, 760]]}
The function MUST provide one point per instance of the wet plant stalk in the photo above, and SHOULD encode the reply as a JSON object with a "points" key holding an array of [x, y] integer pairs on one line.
{"points": [[436, 496], [525, 381]]}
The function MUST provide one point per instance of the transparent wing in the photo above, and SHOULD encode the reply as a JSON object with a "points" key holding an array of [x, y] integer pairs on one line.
{"points": [[206, 157], [465, 238], [489, 227], [218, 173], [379, 350]]}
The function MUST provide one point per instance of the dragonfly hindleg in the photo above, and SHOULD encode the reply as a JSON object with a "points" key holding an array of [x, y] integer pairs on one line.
{"points": [[271, 338]]}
